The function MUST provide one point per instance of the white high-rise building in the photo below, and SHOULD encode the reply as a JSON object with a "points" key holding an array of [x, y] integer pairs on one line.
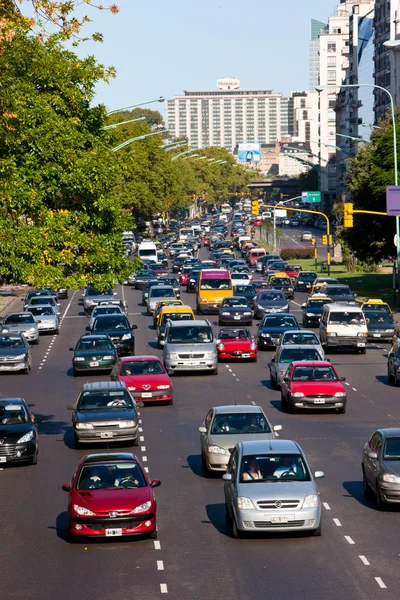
{"points": [[228, 116]]}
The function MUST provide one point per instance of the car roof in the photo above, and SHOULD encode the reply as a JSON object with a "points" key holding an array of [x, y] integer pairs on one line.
{"points": [[12, 401], [95, 336], [263, 446], [103, 385], [311, 363], [237, 408], [89, 458], [139, 358], [298, 347], [390, 431], [198, 323]]}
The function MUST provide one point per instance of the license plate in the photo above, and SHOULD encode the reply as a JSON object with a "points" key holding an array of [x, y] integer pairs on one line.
{"points": [[191, 363], [245, 355], [106, 434], [3, 459], [113, 532], [282, 519], [236, 318], [94, 363], [147, 395], [377, 335], [361, 345], [319, 401]]}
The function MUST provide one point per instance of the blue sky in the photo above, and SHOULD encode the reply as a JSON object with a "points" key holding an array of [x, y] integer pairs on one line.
{"points": [[162, 47]]}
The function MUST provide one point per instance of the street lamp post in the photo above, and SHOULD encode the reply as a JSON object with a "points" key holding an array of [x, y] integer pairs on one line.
{"points": [[139, 137], [117, 110], [181, 154], [114, 125]]}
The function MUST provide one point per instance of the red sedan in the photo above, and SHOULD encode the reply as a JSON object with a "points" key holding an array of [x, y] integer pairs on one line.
{"points": [[145, 377], [315, 385], [236, 344], [98, 507], [184, 275], [292, 270], [257, 222]]}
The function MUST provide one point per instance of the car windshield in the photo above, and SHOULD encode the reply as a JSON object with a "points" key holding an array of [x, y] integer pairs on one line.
{"points": [[347, 318], [238, 275], [106, 310], [245, 289], [317, 303], [308, 373], [379, 316], [300, 337], [215, 284], [279, 321], [18, 319], [280, 281], [94, 345], [13, 414], [308, 276], [101, 399], [289, 355], [41, 300], [91, 291], [225, 424], [338, 291], [162, 293], [271, 297], [273, 468], [111, 323], [190, 335], [392, 449], [171, 281], [235, 303], [41, 310], [111, 475], [234, 334], [176, 317], [141, 367], [11, 341]]}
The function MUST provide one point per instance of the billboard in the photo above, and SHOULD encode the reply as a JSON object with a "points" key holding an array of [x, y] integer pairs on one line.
{"points": [[249, 152], [228, 83]]}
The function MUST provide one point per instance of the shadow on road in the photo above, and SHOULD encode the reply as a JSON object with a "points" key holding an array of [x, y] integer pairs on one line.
{"points": [[216, 515], [383, 379], [194, 462], [47, 426]]}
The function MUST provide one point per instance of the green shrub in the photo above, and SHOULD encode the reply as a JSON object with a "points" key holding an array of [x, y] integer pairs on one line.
{"points": [[296, 253]]}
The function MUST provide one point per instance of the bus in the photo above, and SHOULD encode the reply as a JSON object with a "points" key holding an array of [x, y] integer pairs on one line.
{"points": [[213, 285]]}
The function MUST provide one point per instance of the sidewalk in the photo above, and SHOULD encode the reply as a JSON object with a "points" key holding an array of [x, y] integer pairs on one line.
{"points": [[10, 298]]}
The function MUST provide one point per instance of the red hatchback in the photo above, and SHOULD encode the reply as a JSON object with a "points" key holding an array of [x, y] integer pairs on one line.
{"points": [[236, 344], [309, 384], [111, 495], [145, 377]]}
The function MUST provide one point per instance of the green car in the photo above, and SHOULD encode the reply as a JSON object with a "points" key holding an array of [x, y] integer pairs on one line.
{"points": [[93, 353]]}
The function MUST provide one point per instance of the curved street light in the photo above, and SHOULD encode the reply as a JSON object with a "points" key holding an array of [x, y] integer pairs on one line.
{"points": [[117, 110], [139, 137], [123, 123]]}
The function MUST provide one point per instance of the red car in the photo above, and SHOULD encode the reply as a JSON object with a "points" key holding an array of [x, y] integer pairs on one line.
{"points": [[206, 240], [259, 284], [309, 384], [292, 270], [257, 222], [159, 269], [98, 507], [236, 344], [145, 377], [183, 276]]}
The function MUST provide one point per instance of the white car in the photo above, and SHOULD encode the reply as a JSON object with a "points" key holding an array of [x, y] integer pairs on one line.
{"points": [[306, 236], [241, 278]]}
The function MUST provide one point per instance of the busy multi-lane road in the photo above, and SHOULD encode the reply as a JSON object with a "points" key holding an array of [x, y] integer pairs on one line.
{"points": [[194, 556]]}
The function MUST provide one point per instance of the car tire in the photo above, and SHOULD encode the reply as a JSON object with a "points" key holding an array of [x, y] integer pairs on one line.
{"points": [[236, 533], [170, 372], [318, 532], [75, 373], [272, 381], [37, 342], [220, 323], [254, 359], [198, 310], [206, 471], [362, 350], [215, 372], [283, 402], [153, 535], [135, 441], [289, 406], [77, 444], [389, 376], [366, 488], [396, 380], [26, 371], [35, 458], [57, 332], [380, 505], [342, 411]]}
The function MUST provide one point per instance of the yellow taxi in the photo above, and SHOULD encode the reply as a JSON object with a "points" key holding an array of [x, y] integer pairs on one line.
{"points": [[320, 282], [160, 305], [173, 313], [376, 304]]}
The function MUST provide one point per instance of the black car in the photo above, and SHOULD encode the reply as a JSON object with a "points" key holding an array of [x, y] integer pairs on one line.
{"points": [[105, 412], [312, 311], [245, 291], [380, 325], [93, 352], [339, 293], [178, 264], [191, 283], [15, 353], [283, 284], [120, 331], [271, 328], [18, 432], [235, 310], [305, 280]]}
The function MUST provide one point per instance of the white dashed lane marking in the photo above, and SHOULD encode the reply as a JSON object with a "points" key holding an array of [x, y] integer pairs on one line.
{"points": [[163, 588], [160, 565], [354, 389], [326, 506], [337, 522], [364, 560], [349, 539], [346, 383], [157, 545], [380, 583]]}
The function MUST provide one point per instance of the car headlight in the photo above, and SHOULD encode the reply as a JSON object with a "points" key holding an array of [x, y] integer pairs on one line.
{"points": [[192, 280], [300, 281], [266, 335], [390, 478], [310, 501], [126, 336], [164, 387], [298, 395], [172, 356], [361, 334], [290, 289], [84, 512], [340, 395], [131, 389], [211, 355], [108, 357], [31, 330], [310, 314], [142, 508], [26, 438], [126, 424], [225, 314], [4, 330], [88, 301], [20, 357], [244, 503], [79, 358], [84, 426], [247, 314], [332, 334], [221, 347], [217, 450]]}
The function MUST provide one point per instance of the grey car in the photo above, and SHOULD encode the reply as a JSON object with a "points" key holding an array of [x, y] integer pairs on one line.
{"points": [[158, 293], [105, 412], [93, 296], [340, 294], [21, 322], [46, 318], [104, 309], [226, 426], [15, 353], [284, 355], [42, 301], [381, 467], [270, 301], [301, 338], [190, 346], [269, 487]]}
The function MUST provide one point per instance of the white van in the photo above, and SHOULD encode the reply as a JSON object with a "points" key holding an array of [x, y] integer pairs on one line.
{"points": [[343, 326], [147, 250]]}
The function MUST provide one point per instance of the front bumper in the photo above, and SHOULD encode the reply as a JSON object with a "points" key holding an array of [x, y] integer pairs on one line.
{"points": [[210, 308], [203, 364], [313, 319], [217, 462], [112, 434], [311, 402], [237, 355], [86, 366], [12, 453], [380, 336], [390, 492], [156, 396], [44, 327], [14, 366], [303, 287], [304, 519], [32, 337], [232, 320], [337, 341], [98, 526], [269, 342]]}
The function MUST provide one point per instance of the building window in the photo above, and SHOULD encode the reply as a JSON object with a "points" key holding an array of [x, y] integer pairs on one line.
{"points": [[308, 131], [305, 117], [331, 76], [331, 103], [332, 47], [331, 61]]}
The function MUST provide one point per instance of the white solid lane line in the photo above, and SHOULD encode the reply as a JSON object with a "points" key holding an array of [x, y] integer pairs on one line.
{"points": [[337, 522], [326, 506], [349, 539], [364, 560], [380, 583]]}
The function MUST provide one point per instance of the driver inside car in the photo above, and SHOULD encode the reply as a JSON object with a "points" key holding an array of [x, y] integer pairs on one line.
{"points": [[128, 480], [288, 468]]}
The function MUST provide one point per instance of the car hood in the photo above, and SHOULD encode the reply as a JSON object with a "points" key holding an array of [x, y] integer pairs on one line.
{"points": [[273, 304], [113, 499], [311, 388], [12, 351], [277, 330], [346, 298], [111, 414], [236, 344], [114, 332], [380, 326], [277, 489], [18, 328], [229, 440], [92, 353], [45, 318], [139, 381], [390, 466], [14, 432]]}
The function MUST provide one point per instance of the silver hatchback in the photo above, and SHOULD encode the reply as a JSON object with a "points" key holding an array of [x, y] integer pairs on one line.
{"points": [[190, 346], [21, 322], [269, 487]]}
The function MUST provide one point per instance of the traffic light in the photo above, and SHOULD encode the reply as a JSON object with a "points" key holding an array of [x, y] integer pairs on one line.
{"points": [[347, 214], [313, 241], [325, 240], [254, 208]]}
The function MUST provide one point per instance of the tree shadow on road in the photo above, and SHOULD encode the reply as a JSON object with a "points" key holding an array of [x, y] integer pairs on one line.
{"points": [[47, 426]]}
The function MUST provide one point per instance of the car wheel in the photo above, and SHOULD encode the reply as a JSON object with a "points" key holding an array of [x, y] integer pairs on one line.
{"points": [[220, 323], [215, 372], [153, 535], [380, 505], [342, 411], [389, 376], [57, 332], [35, 458], [75, 373], [170, 372], [362, 350], [206, 471], [366, 488], [318, 532], [283, 401], [236, 533], [135, 441], [396, 380], [254, 359], [37, 342], [272, 381], [198, 310], [25, 371], [290, 406], [77, 443], [169, 402]]}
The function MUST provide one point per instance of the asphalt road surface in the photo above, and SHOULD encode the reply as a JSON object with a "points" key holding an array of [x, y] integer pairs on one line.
{"points": [[194, 558]]}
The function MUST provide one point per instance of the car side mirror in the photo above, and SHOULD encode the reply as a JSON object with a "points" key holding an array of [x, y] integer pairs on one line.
{"points": [[303, 305], [372, 455], [319, 474], [227, 476], [277, 427], [343, 379], [71, 349], [202, 430], [155, 483], [134, 327], [87, 328], [66, 487]]}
